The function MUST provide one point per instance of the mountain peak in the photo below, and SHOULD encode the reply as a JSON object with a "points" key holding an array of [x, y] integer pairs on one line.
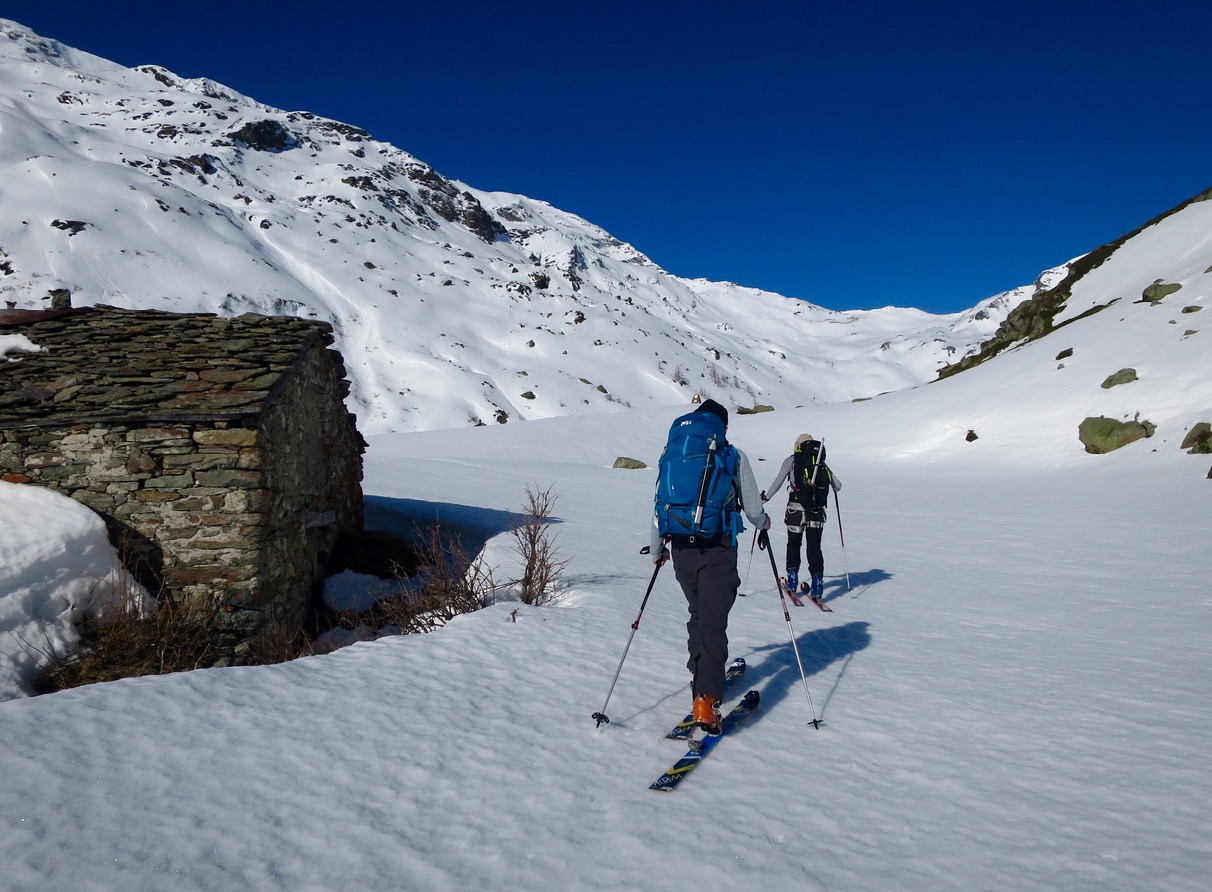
{"points": [[453, 306]]}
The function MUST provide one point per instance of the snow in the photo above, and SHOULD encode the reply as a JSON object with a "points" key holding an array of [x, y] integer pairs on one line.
{"points": [[12, 346], [1013, 682], [56, 568], [358, 233], [1012, 686]]}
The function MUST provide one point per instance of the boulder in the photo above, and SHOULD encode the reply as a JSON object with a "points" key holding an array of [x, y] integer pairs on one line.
{"points": [[1199, 439], [1123, 376], [1101, 435], [1158, 290]]}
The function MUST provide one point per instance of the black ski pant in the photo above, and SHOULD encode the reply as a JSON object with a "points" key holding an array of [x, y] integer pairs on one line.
{"points": [[709, 579], [811, 537]]}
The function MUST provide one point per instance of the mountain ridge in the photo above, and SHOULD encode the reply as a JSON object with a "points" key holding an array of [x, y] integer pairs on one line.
{"points": [[453, 305]]}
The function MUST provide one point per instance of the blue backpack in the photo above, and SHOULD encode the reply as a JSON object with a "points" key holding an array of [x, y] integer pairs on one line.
{"points": [[695, 498]]}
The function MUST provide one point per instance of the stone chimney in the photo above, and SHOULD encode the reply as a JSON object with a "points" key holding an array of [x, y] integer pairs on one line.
{"points": [[61, 299]]}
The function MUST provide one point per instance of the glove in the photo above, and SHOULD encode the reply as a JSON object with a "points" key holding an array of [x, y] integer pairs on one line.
{"points": [[662, 557], [764, 499], [766, 526]]}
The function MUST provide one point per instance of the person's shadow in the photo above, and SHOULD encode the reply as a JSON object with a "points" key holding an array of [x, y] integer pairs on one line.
{"points": [[777, 676], [855, 584]]}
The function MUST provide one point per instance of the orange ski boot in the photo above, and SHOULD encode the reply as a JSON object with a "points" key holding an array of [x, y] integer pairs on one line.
{"points": [[707, 713]]}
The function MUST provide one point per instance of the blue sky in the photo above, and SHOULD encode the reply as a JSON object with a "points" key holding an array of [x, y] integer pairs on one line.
{"points": [[856, 154]]}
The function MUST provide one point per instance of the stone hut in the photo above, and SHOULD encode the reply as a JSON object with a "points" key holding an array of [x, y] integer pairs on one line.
{"points": [[218, 450]]}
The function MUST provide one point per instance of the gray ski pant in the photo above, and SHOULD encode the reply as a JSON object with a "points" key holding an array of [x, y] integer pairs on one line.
{"points": [[709, 579]]}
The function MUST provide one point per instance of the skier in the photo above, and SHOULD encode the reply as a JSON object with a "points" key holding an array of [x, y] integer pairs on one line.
{"points": [[706, 566], [809, 480]]}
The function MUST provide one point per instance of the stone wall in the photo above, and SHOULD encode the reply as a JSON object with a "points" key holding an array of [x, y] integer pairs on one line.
{"points": [[219, 451], [311, 453]]}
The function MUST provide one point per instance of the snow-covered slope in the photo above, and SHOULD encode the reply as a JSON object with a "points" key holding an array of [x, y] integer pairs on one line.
{"points": [[1013, 680], [452, 305], [1012, 683], [1141, 307]]}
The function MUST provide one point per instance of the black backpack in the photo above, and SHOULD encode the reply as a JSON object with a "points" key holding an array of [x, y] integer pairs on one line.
{"points": [[810, 475]]}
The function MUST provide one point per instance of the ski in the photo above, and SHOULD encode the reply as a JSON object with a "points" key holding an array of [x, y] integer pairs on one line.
{"points": [[790, 593], [700, 748], [818, 601], [683, 729]]}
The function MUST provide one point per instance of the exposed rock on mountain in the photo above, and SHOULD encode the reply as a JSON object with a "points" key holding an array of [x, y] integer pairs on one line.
{"points": [[143, 189]]}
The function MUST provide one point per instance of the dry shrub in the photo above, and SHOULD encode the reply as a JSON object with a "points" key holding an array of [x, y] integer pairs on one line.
{"points": [[274, 644], [130, 635], [447, 583], [535, 544], [129, 641], [174, 637], [125, 644]]}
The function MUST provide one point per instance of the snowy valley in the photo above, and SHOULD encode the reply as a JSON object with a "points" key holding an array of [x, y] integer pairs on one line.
{"points": [[1013, 681]]}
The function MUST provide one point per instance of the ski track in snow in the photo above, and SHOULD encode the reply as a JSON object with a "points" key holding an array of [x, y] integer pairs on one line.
{"points": [[1000, 711]]}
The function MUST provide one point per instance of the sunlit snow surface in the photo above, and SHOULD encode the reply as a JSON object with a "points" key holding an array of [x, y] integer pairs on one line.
{"points": [[1013, 681]]}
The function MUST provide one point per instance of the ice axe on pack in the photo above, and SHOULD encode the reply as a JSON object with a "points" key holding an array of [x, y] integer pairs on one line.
{"points": [[764, 544], [707, 469]]}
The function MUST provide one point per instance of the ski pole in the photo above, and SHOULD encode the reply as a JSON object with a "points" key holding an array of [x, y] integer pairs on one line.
{"points": [[845, 561], [764, 543], [750, 567], [600, 717]]}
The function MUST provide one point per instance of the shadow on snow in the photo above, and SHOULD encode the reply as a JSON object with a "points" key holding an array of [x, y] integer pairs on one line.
{"points": [[472, 525], [777, 676], [859, 583]]}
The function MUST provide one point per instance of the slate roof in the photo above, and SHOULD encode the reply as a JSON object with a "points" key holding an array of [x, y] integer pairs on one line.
{"points": [[110, 365]]}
